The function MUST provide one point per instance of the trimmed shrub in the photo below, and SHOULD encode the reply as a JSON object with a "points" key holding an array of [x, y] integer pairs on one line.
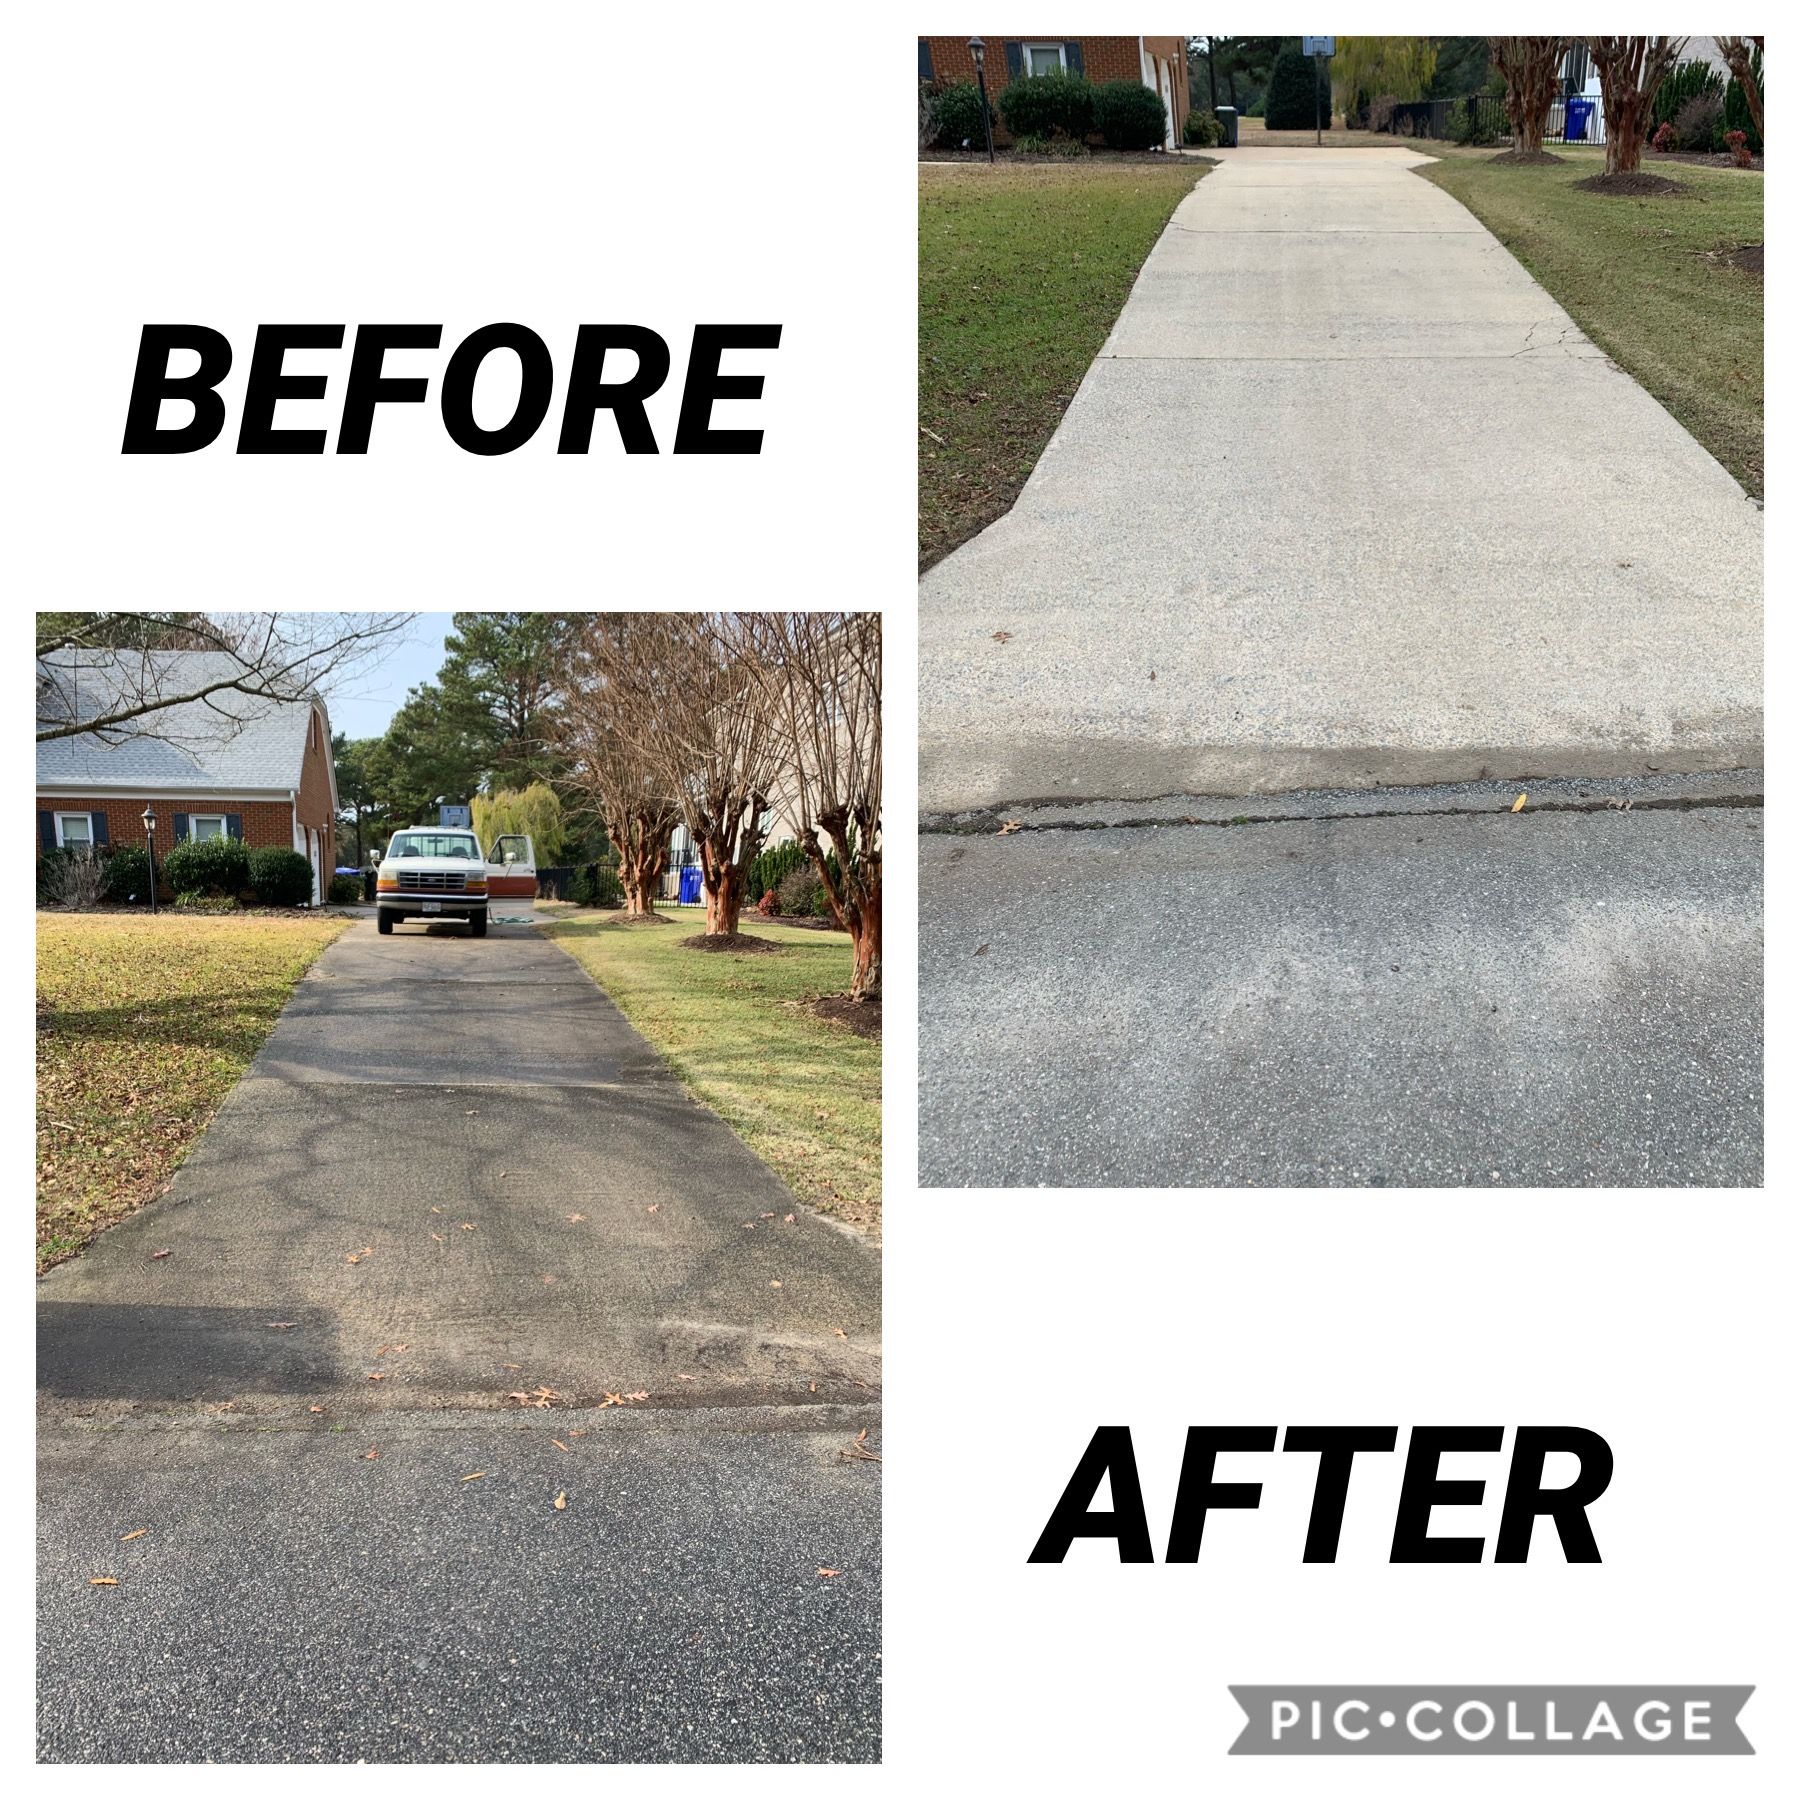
{"points": [[345, 890], [1700, 122], [1739, 146], [1042, 105], [1683, 83], [801, 894], [128, 876], [1663, 138], [1203, 129], [1289, 103], [768, 905], [957, 112], [280, 877], [768, 869], [1129, 116], [217, 866]]}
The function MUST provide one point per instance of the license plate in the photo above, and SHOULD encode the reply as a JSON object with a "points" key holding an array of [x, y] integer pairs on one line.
{"points": [[431, 906]]}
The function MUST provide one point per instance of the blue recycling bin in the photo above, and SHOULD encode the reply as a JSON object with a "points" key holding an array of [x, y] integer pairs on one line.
{"points": [[1575, 121], [690, 885]]}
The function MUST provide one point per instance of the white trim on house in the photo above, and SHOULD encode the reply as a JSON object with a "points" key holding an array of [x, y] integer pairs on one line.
{"points": [[87, 820]]}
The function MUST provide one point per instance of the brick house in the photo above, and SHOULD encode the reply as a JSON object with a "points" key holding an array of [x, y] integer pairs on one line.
{"points": [[1160, 63], [231, 765]]}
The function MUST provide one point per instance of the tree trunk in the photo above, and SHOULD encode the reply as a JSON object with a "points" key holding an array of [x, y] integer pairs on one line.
{"points": [[724, 883], [865, 951], [1625, 109]]}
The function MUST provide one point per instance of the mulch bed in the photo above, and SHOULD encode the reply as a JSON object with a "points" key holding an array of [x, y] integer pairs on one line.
{"points": [[800, 921], [1705, 159], [1748, 257], [861, 1016], [1527, 156], [1640, 184], [733, 943]]}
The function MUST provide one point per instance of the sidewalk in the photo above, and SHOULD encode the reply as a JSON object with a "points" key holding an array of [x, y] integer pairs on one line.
{"points": [[1345, 500]]}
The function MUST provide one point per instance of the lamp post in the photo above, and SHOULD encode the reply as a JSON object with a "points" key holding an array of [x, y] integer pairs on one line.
{"points": [[978, 50], [150, 843]]}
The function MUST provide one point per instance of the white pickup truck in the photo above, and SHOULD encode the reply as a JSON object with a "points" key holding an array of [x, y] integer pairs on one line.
{"points": [[438, 872]]}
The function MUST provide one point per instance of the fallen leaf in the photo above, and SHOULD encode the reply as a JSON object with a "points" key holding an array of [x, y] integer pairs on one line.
{"points": [[561, 1502], [774, 1284], [654, 1206], [827, 1573], [577, 1218], [281, 1324], [681, 1377], [1007, 827], [840, 1331], [788, 1220], [1519, 804], [352, 1259], [372, 1454], [142, 1531], [981, 950], [1002, 637], [317, 1409], [476, 1476], [437, 1209], [749, 1224], [512, 1365], [376, 1375], [559, 1443], [639, 1395], [466, 1226], [158, 1255], [103, 1581], [437, 1237]]}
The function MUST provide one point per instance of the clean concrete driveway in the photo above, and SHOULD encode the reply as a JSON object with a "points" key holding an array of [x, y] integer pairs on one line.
{"points": [[455, 1174], [1346, 499]]}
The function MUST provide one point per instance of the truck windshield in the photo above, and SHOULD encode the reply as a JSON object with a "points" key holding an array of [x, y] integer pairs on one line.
{"points": [[433, 843]]}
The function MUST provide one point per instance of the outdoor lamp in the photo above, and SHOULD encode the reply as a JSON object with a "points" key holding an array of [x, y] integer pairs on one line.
{"points": [[150, 845], [978, 50]]}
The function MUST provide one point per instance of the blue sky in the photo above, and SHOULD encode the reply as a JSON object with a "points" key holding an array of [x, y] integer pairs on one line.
{"points": [[362, 707]]}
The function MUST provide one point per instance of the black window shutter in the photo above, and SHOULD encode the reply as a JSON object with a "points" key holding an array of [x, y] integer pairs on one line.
{"points": [[1015, 59], [924, 60], [234, 825], [1072, 57], [180, 828], [98, 824], [46, 831]]}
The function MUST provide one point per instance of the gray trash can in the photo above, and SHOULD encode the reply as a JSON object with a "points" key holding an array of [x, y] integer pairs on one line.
{"points": [[1227, 116]]}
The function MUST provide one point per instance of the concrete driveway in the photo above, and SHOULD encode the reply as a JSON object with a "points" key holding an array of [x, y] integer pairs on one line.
{"points": [[1346, 499], [455, 1169]]}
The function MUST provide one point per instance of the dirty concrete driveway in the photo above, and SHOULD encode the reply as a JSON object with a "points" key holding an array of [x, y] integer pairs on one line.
{"points": [[454, 1175]]}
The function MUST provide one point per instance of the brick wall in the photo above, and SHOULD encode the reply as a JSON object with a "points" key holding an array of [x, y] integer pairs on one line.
{"points": [[265, 821], [1102, 58], [315, 789]]}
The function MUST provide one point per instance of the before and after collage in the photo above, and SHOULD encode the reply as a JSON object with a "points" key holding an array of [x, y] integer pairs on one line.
{"points": [[506, 1289]]}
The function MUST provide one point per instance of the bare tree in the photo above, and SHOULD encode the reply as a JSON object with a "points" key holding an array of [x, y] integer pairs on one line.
{"points": [[117, 676], [704, 734], [1738, 53], [1631, 70], [604, 732], [1530, 67], [819, 675]]}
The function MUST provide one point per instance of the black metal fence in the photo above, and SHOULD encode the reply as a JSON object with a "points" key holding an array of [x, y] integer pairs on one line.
{"points": [[1481, 119]]}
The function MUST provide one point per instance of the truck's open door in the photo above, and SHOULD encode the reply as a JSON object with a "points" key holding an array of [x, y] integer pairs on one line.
{"points": [[512, 869]]}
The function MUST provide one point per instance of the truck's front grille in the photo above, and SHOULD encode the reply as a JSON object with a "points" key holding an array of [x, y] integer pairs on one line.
{"points": [[430, 881]]}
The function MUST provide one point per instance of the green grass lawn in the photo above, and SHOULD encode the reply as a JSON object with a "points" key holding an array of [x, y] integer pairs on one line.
{"points": [[143, 1026], [1022, 271], [1646, 279], [803, 1092]]}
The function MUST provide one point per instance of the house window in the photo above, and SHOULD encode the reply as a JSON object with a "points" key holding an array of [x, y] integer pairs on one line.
{"points": [[75, 831], [1043, 59], [202, 826]]}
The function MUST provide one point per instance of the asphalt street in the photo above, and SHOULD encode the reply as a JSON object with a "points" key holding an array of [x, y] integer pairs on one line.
{"points": [[1444, 993], [456, 1184], [1346, 500]]}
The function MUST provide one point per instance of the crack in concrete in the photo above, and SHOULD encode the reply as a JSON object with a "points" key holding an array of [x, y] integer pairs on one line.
{"points": [[989, 822]]}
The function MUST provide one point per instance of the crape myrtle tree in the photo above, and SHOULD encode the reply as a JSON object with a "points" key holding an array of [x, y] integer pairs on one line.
{"points": [[687, 707], [603, 738], [1631, 69], [819, 676], [1739, 54], [1530, 67]]}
